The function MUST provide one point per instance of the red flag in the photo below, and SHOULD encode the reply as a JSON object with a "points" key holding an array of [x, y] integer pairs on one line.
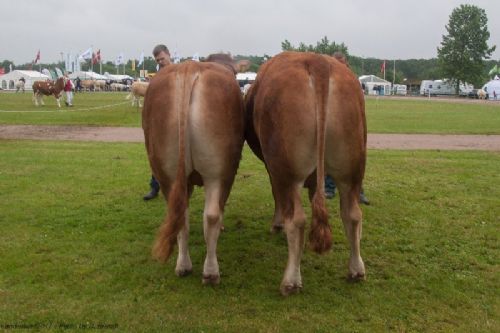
{"points": [[2, 70], [382, 67], [37, 57], [98, 56], [94, 58]]}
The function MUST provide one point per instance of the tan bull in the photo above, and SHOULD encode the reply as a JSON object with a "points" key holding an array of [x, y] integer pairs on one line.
{"points": [[193, 125], [306, 118]]}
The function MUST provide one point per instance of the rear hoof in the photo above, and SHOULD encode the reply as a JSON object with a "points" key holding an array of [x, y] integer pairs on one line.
{"points": [[356, 277], [290, 289], [183, 272], [276, 228], [211, 279]]}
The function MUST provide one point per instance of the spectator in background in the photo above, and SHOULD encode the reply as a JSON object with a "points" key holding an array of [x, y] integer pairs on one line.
{"points": [[162, 58], [68, 90]]}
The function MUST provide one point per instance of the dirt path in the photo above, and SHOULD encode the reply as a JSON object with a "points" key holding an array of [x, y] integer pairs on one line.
{"points": [[130, 134]]}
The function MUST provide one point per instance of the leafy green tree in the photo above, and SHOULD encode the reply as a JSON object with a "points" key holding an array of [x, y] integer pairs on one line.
{"points": [[324, 46], [465, 46]]}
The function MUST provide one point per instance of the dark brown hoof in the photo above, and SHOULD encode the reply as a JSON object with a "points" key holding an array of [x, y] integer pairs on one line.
{"points": [[290, 289], [356, 277], [183, 272], [276, 228], [211, 279]]}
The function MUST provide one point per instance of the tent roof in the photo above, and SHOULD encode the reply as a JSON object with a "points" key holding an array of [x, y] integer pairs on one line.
{"points": [[372, 78], [87, 75], [21, 73], [118, 77]]}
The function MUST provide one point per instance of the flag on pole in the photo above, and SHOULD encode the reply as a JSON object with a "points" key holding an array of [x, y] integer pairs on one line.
{"points": [[120, 59], [37, 58], [177, 57], [141, 59], [98, 56], [493, 71], [94, 58], [382, 67], [2, 70], [59, 72], [86, 55]]}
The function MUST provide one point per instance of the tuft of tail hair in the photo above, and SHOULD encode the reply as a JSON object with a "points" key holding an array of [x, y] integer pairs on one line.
{"points": [[175, 219]]}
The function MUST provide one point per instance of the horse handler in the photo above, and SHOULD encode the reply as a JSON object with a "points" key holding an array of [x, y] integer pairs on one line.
{"points": [[68, 89]]}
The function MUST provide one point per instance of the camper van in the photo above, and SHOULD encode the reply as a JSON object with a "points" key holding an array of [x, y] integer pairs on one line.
{"points": [[399, 89], [443, 87]]}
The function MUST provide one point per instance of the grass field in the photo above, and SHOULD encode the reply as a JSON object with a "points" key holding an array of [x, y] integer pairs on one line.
{"points": [[383, 115], [76, 239]]}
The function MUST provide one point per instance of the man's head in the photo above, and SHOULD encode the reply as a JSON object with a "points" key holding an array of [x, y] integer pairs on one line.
{"points": [[161, 55]]}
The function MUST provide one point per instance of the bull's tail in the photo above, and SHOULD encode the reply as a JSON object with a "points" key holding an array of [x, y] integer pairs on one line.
{"points": [[178, 197], [320, 236]]}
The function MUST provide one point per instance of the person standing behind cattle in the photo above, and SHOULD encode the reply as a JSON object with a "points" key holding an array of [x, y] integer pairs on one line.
{"points": [[162, 58], [68, 90]]}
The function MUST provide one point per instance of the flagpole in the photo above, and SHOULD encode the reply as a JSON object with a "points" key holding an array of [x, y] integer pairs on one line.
{"points": [[394, 73]]}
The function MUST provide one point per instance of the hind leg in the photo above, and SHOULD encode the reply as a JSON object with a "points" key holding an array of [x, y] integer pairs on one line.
{"points": [[184, 265], [294, 222], [351, 217], [215, 196]]}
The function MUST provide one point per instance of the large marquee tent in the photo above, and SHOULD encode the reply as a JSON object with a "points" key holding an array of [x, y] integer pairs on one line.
{"points": [[382, 87], [8, 81], [492, 88]]}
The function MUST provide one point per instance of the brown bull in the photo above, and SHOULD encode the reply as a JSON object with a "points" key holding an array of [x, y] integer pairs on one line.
{"points": [[306, 117], [193, 125], [48, 88]]}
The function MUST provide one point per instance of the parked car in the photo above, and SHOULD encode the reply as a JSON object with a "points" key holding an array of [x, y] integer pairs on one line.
{"points": [[473, 94]]}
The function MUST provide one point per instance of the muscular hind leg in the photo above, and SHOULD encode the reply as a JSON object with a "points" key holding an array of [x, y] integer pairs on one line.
{"points": [[351, 218], [184, 266], [215, 198], [294, 223]]}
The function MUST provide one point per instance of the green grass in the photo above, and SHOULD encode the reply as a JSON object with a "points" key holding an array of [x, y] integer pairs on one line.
{"points": [[94, 109], [383, 115], [76, 239], [432, 116]]}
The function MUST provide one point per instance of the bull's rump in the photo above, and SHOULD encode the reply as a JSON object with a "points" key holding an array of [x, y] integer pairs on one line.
{"points": [[286, 97], [214, 123]]}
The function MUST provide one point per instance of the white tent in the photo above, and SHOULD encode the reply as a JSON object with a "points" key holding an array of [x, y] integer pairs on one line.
{"points": [[247, 76], [118, 77], [492, 88], [86, 76], [382, 87], [8, 81]]}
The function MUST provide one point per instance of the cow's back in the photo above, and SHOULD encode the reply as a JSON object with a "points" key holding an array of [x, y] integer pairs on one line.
{"points": [[285, 98], [214, 123]]}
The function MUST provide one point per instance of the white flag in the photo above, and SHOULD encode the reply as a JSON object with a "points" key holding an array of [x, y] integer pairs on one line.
{"points": [[177, 57], [120, 59], [59, 72], [86, 55], [141, 59]]}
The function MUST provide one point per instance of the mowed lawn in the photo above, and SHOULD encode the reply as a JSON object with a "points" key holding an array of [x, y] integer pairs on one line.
{"points": [[384, 115], [76, 240]]}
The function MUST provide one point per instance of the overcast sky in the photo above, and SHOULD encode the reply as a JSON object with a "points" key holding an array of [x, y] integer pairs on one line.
{"points": [[387, 29]]}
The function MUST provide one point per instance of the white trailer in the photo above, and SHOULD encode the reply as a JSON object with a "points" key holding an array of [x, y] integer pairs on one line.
{"points": [[443, 87]]}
